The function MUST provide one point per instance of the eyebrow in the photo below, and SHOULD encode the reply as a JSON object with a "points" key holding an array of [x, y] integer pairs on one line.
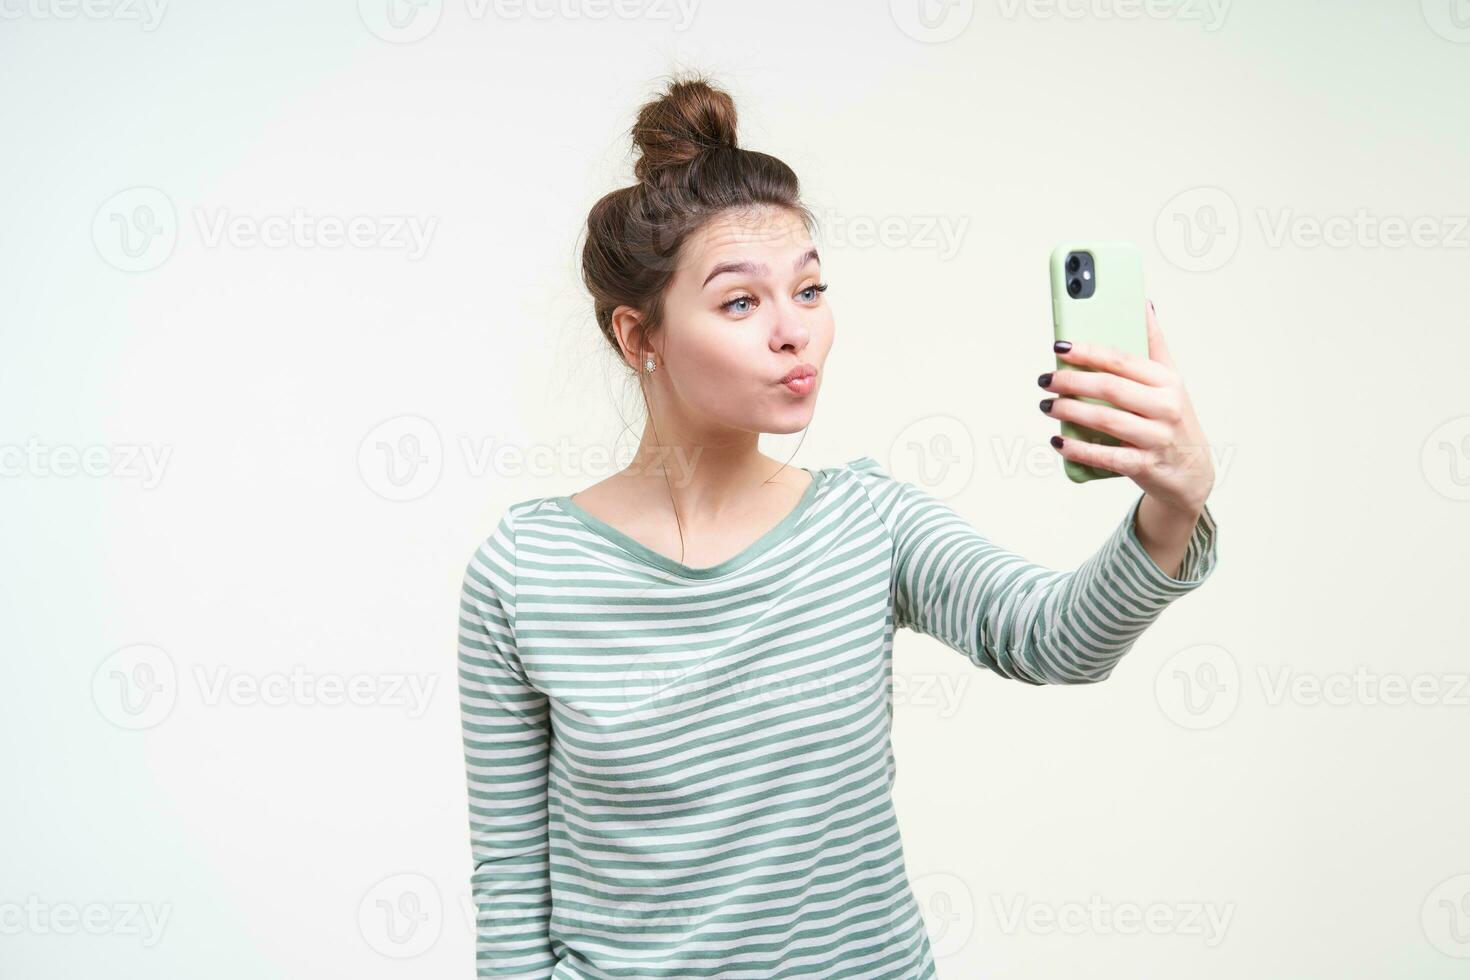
{"points": [[750, 268]]}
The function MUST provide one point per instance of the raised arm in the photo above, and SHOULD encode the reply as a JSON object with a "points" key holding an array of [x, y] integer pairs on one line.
{"points": [[507, 738], [1022, 620]]}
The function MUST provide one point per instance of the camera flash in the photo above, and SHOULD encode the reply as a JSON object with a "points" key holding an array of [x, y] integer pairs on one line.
{"points": [[1086, 275]]}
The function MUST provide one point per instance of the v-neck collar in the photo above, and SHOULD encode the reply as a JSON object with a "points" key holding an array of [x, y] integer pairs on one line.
{"points": [[752, 551]]}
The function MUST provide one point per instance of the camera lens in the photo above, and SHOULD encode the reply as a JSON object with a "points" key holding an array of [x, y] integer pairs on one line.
{"points": [[1074, 286], [1073, 264]]}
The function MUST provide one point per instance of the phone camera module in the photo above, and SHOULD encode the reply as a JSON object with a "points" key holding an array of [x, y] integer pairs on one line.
{"points": [[1081, 275]]}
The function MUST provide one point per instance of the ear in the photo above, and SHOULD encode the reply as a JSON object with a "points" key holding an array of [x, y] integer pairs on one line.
{"points": [[627, 325]]}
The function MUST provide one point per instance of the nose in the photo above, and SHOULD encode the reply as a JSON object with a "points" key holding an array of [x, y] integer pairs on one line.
{"points": [[790, 332]]}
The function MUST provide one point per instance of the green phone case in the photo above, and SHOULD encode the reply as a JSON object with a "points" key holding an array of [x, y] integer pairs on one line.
{"points": [[1113, 315]]}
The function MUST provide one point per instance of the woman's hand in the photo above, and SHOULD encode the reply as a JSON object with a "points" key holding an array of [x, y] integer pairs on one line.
{"points": [[1164, 450]]}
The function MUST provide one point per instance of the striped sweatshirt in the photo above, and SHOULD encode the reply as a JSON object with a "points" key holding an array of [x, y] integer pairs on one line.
{"points": [[681, 772]]}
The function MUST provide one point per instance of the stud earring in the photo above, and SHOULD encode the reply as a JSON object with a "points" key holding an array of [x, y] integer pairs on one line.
{"points": [[648, 365]]}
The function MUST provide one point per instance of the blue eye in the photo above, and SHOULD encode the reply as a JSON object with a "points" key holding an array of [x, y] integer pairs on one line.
{"points": [[730, 304]]}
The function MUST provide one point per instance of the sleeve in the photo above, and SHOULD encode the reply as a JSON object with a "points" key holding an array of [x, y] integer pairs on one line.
{"points": [[507, 740], [1025, 621]]}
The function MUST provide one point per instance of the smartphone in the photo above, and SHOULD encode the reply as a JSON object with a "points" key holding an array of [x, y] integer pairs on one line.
{"points": [[1097, 298]]}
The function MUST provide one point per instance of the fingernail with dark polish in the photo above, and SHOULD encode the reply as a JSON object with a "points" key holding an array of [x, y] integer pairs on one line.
{"points": [[1046, 404], [1044, 380], [1056, 442], [1062, 346]]}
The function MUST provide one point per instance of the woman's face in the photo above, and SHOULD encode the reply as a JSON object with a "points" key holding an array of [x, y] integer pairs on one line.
{"points": [[742, 311]]}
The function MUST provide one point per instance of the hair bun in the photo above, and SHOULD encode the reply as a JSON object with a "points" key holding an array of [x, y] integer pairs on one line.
{"points": [[690, 118]]}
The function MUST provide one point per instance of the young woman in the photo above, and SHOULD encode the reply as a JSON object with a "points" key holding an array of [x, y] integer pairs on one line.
{"points": [[675, 684]]}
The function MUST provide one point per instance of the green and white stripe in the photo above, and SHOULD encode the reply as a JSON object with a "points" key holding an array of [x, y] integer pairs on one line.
{"points": [[687, 772]]}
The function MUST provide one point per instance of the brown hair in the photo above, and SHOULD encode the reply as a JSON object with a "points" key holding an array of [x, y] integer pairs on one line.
{"points": [[690, 169]]}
